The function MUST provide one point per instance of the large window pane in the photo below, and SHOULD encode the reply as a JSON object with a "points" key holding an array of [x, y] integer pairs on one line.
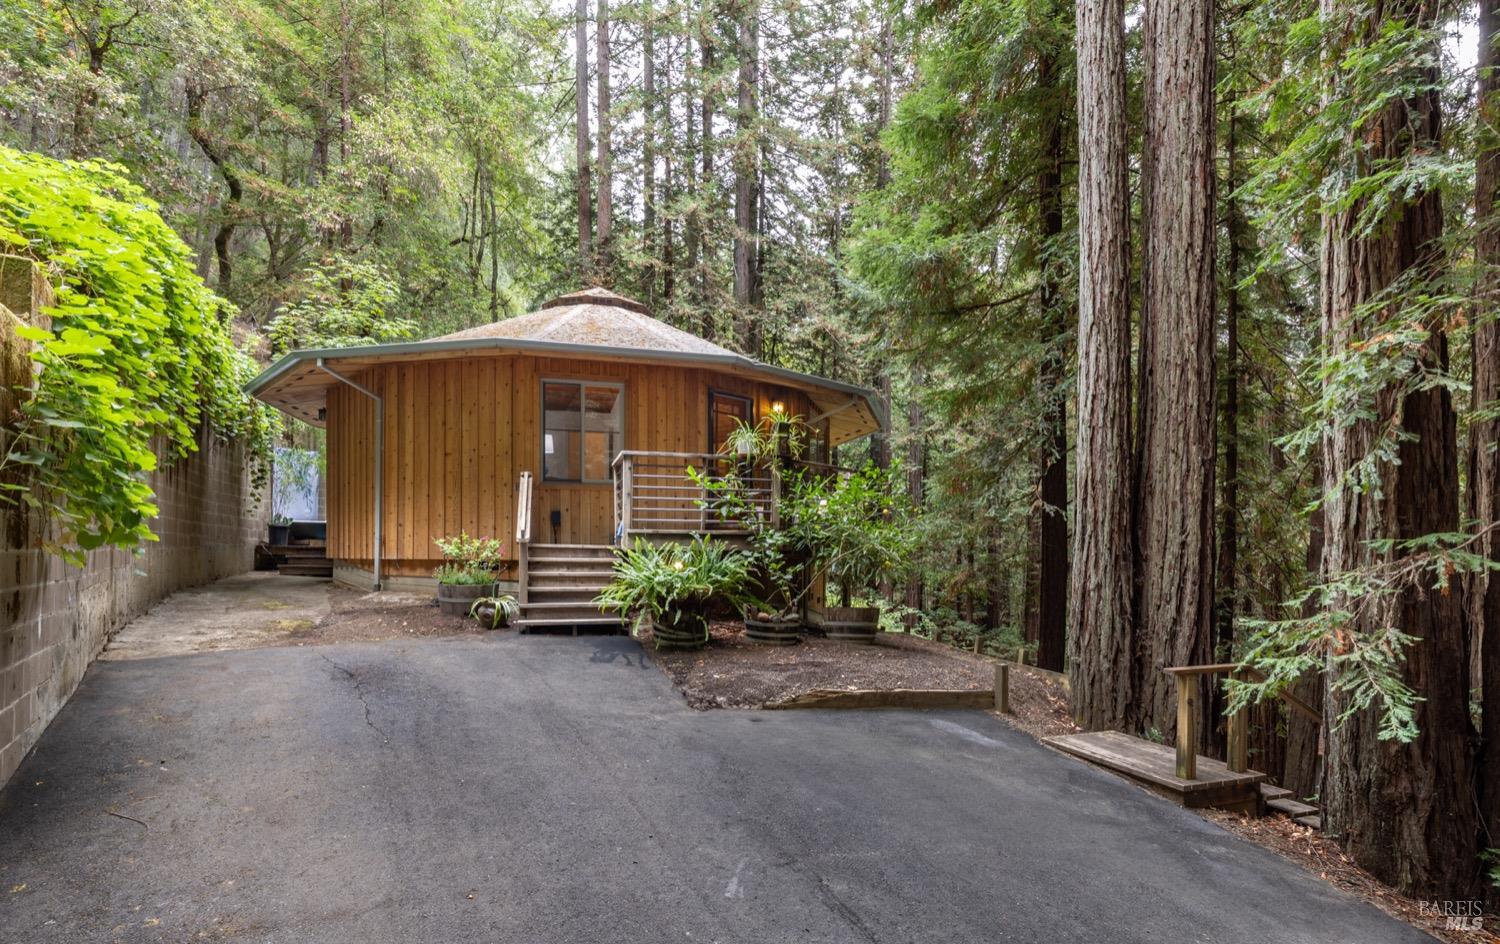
{"points": [[603, 424], [560, 431], [582, 430]]}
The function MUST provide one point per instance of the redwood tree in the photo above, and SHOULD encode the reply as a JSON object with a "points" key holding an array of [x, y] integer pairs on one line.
{"points": [[1403, 807], [1100, 640], [1176, 457]]}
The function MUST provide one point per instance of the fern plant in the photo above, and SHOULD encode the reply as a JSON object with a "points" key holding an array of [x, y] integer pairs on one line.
{"points": [[675, 583]]}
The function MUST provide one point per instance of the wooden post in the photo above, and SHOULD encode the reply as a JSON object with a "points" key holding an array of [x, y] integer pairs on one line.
{"points": [[1002, 687], [1239, 740], [775, 496], [627, 498], [1187, 727]]}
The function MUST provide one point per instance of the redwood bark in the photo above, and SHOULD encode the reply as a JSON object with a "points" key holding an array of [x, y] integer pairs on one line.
{"points": [[1099, 603], [1405, 812], [604, 200], [745, 160], [581, 131], [1484, 467], [1177, 454]]}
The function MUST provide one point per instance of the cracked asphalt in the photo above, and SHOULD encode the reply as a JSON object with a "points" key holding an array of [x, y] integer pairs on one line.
{"points": [[505, 789]]}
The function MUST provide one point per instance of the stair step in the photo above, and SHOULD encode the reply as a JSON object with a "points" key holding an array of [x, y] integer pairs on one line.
{"points": [[1269, 792], [1311, 821], [584, 594], [562, 606], [526, 624], [1289, 807], [580, 584], [601, 562], [552, 551], [305, 570]]}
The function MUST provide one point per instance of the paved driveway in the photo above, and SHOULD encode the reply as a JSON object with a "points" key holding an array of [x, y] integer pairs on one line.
{"points": [[529, 790]]}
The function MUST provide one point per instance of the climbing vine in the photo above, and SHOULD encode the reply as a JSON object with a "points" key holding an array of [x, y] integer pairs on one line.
{"points": [[137, 358]]}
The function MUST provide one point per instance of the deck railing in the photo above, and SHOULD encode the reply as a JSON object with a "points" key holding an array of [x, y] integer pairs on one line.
{"points": [[654, 494], [1238, 727], [523, 530]]}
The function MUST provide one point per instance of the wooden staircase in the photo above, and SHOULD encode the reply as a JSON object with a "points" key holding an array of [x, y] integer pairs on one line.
{"points": [[302, 560], [1279, 800], [558, 586]]}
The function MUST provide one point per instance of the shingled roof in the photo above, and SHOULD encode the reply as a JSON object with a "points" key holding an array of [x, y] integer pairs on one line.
{"points": [[594, 316], [591, 324]]}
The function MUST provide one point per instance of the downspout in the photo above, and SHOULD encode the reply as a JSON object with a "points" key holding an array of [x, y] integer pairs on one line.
{"points": [[379, 454]]}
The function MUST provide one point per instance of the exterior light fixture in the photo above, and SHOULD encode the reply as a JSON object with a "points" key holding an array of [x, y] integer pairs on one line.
{"points": [[778, 407]]}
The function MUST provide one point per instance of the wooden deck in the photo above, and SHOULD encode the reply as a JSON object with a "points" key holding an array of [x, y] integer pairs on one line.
{"points": [[1154, 766]]}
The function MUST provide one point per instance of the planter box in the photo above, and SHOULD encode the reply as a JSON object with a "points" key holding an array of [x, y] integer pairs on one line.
{"points": [[455, 599]]}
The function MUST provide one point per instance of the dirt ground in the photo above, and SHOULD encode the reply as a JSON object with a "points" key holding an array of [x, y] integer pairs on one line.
{"points": [[258, 609], [731, 672]]}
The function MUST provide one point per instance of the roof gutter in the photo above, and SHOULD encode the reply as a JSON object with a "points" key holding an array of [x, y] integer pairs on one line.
{"points": [[379, 455]]}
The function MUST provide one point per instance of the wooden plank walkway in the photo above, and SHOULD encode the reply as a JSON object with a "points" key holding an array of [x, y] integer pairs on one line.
{"points": [[1155, 767]]}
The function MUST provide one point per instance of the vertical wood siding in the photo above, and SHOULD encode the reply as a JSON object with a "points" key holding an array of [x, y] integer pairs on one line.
{"points": [[458, 433]]}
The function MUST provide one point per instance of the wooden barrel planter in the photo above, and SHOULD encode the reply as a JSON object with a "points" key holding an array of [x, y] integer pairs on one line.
{"points": [[681, 629], [774, 632], [456, 599], [857, 624]]}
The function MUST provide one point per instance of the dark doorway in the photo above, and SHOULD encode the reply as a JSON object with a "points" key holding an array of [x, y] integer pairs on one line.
{"points": [[725, 412]]}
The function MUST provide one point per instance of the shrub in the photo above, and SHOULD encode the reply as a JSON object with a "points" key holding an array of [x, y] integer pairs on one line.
{"points": [[469, 561], [677, 583]]}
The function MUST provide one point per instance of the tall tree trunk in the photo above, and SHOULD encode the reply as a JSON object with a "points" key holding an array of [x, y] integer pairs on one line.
{"points": [[1405, 811], [706, 184], [1484, 462], [216, 154], [1175, 518], [916, 474], [581, 133], [648, 150], [880, 443], [1229, 530], [346, 67], [604, 199], [1052, 577], [744, 163], [1101, 636]]}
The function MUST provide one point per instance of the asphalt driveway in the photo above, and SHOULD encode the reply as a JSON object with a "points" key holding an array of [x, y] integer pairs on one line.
{"points": [[528, 790]]}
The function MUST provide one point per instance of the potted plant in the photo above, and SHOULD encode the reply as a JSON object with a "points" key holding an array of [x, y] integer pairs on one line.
{"points": [[467, 573], [854, 528], [496, 611], [672, 588], [281, 529]]}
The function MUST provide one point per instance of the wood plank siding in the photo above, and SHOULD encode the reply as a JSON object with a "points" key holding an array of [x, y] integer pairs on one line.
{"points": [[458, 433]]}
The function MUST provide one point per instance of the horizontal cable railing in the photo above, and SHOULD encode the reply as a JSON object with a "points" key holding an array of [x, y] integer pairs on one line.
{"points": [[654, 493]]}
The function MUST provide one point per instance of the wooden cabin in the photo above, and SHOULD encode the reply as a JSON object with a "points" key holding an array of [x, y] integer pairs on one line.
{"points": [[563, 432]]}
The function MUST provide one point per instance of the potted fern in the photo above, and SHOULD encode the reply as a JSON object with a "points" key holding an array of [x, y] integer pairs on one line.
{"points": [[672, 588]]}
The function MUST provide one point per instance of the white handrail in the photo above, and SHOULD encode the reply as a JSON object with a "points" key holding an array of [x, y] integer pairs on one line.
{"points": [[523, 509]]}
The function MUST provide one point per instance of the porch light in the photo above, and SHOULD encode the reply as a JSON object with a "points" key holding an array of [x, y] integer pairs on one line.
{"points": [[778, 407], [677, 565]]}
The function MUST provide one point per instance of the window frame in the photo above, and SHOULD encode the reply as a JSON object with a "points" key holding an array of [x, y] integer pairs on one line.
{"points": [[582, 385], [715, 393]]}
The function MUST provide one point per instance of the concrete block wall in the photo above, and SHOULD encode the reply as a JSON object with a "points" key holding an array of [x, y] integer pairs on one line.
{"points": [[57, 617], [54, 617]]}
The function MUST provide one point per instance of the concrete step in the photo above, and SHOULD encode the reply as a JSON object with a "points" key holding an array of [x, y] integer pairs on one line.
{"points": [[1287, 806]]}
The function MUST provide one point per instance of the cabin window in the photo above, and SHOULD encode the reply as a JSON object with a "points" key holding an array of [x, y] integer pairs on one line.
{"points": [[583, 429]]}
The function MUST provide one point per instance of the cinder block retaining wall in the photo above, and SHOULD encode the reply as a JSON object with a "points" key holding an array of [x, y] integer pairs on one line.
{"points": [[55, 618]]}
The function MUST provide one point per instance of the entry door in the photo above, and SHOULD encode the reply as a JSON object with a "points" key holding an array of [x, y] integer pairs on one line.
{"points": [[725, 412]]}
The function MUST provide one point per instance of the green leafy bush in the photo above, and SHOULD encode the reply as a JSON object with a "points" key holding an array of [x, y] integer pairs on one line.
{"points": [[855, 527], [677, 583], [469, 561], [137, 357]]}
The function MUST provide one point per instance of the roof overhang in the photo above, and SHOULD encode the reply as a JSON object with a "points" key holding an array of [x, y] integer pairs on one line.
{"points": [[297, 386]]}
